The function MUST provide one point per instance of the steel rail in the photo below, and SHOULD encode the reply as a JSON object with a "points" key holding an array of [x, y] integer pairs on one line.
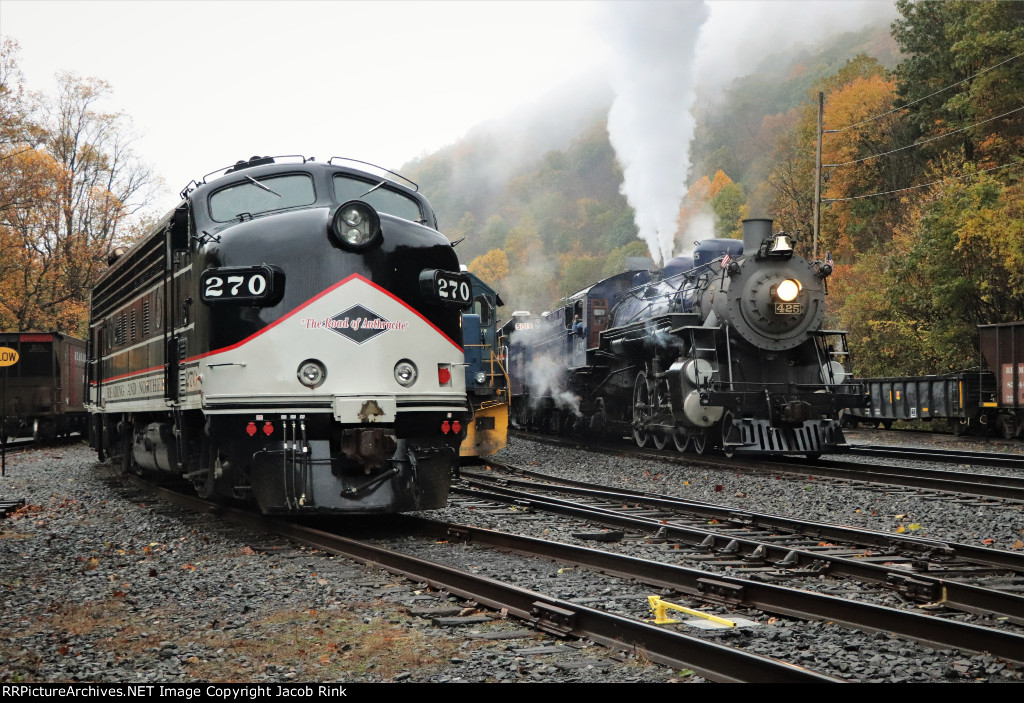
{"points": [[932, 631], [985, 485], [954, 595], [941, 549], [945, 456], [712, 661]]}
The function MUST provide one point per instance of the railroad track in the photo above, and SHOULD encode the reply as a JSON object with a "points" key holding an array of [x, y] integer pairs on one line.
{"points": [[9, 505], [701, 590], [946, 456], [919, 569], [544, 612], [967, 483], [710, 587]]}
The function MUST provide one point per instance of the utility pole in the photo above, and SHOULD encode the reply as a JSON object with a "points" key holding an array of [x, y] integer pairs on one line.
{"points": [[817, 178]]}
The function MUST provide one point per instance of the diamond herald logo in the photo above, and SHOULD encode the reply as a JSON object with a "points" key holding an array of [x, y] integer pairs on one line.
{"points": [[358, 324]]}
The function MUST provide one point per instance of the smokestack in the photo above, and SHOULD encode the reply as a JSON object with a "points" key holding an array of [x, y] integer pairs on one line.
{"points": [[754, 232]]}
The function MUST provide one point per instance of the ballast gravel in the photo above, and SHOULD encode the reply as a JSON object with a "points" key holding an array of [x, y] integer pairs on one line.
{"points": [[104, 583]]}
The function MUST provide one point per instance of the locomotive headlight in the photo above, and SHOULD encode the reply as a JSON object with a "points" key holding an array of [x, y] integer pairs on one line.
{"points": [[787, 290], [355, 225], [311, 373], [352, 217], [481, 377], [406, 373]]}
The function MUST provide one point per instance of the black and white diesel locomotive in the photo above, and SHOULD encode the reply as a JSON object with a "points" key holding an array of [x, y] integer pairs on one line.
{"points": [[725, 350], [290, 335]]}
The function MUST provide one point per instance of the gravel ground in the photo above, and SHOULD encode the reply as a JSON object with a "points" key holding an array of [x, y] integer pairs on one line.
{"points": [[104, 584], [976, 522]]}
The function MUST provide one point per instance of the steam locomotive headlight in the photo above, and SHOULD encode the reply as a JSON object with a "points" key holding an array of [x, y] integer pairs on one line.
{"points": [[311, 373], [355, 225], [406, 373], [787, 290]]}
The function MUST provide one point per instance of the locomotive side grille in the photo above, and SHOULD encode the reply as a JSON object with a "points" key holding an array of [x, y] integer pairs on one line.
{"points": [[141, 265]]}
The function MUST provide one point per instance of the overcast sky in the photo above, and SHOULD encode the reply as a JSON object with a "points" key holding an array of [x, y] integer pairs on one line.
{"points": [[208, 83]]}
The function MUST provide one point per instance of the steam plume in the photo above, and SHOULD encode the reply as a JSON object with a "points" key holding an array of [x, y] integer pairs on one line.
{"points": [[649, 124]]}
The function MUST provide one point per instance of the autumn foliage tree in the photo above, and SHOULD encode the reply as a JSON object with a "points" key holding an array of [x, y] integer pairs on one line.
{"points": [[711, 208], [492, 267], [943, 248], [71, 188]]}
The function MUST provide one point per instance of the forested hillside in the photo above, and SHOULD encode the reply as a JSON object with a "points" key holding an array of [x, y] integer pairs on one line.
{"points": [[922, 199], [923, 144]]}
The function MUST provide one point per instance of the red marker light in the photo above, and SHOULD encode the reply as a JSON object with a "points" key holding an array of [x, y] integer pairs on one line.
{"points": [[456, 427], [250, 429], [268, 429], [444, 375], [445, 427]]}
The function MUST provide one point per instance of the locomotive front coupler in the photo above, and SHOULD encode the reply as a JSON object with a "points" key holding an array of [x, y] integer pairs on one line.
{"points": [[372, 483]]}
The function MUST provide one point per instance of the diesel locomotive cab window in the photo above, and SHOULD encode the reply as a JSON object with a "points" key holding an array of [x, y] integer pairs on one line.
{"points": [[381, 199], [256, 196], [482, 307]]}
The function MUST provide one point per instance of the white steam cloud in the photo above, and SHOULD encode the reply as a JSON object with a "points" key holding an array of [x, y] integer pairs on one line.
{"points": [[649, 124], [546, 378], [661, 52]]}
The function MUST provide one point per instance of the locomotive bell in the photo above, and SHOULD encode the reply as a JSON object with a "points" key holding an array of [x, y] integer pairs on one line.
{"points": [[782, 245]]}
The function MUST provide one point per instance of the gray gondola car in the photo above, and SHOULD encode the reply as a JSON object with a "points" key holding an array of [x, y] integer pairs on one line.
{"points": [[987, 398], [42, 384], [956, 397]]}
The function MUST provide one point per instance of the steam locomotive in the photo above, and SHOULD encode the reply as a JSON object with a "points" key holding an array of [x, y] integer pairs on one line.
{"points": [[725, 350], [289, 335]]}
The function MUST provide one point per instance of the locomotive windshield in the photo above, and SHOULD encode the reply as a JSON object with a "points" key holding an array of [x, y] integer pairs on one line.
{"points": [[252, 197], [383, 200]]}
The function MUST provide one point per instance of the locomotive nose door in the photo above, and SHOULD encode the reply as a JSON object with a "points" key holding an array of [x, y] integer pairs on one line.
{"points": [[177, 302]]}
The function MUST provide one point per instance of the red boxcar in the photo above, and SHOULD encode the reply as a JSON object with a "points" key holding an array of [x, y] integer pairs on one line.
{"points": [[42, 384]]}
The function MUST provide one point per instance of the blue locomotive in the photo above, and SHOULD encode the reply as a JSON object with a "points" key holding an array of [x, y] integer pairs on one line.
{"points": [[486, 376]]}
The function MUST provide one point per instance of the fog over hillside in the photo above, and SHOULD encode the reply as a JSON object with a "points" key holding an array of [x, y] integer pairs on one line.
{"points": [[646, 85]]}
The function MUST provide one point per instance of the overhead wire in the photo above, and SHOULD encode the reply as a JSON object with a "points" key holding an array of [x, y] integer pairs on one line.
{"points": [[923, 142], [923, 185], [940, 90]]}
